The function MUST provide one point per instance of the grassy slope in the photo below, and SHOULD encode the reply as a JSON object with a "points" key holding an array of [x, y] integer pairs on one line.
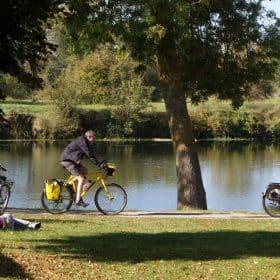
{"points": [[39, 109], [98, 247], [27, 106]]}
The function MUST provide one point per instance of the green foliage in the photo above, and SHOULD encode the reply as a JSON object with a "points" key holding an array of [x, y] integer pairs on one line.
{"points": [[62, 124], [23, 43], [89, 77], [3, 121], [212, 47], [259, 120], [276, 82], [13, 87], [212, 119], [261, 90], [130, 99], [98, 77], [107, 77], [152, 79], [63, 120], [20, 125]]}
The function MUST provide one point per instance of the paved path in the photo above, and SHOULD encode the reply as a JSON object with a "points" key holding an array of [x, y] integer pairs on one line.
{"points": [[153, 214]]}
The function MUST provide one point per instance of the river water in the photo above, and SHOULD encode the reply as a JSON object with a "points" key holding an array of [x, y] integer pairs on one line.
{"points": [[234, 174]]}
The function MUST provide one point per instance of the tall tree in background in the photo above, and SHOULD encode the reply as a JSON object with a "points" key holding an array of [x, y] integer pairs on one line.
{"points": [[23, 40], [200, 48]]}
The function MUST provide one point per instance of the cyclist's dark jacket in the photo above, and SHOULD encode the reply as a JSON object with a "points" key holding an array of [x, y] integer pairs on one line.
{"points": [[76, 150]]}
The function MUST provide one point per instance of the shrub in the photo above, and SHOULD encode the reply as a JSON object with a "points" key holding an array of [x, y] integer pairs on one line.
{"points": [[20, 125], [13, 88], [130, 99]]}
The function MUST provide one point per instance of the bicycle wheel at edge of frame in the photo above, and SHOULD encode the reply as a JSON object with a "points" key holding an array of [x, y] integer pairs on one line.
{"points": [[266, 199], [65, 207], [100, 192], [4, 205]]}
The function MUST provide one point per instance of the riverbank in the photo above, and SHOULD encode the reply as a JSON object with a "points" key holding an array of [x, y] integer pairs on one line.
{"points": [[212, 119]]}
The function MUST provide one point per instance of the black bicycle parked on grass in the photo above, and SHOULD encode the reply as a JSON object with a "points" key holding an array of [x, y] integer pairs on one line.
{"points": [[5, 190], [271, 200]]}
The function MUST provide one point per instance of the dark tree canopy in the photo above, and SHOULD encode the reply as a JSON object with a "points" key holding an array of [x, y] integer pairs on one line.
{"points": [[23, 43]]}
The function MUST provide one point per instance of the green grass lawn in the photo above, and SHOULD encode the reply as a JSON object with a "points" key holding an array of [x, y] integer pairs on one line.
{"points": [[26, 107], [37, 109], [98, 247]]}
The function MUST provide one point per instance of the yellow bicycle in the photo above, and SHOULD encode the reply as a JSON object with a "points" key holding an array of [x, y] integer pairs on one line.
{"points": [[110, 198]]}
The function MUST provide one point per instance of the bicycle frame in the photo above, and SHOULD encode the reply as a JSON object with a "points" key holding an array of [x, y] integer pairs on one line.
{"points": [[95, 177], [5, 179]]}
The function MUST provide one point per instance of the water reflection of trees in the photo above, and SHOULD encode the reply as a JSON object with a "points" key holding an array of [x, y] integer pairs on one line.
{"points": [[235, 167], [31, 162], [141, 162], [230, 167]]}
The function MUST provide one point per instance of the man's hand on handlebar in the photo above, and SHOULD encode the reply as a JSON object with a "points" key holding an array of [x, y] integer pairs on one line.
{"points": [[103, 164]]}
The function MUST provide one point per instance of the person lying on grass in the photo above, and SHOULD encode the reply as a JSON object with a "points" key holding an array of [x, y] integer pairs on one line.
{"points": [[7, 221]]}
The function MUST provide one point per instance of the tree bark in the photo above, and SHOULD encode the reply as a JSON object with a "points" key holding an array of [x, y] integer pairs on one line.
{"points": [[191, 192]]}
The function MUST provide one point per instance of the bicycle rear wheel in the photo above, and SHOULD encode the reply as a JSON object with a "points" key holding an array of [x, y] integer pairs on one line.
{"points": [[271, 201], [62, 205], [113, 202], [5, 193]]}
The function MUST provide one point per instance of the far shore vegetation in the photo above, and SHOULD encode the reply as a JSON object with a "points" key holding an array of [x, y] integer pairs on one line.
{"points": [[212, 119]]}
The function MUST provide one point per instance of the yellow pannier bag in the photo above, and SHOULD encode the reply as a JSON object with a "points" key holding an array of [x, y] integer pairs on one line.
{"points": [[52, 189]]}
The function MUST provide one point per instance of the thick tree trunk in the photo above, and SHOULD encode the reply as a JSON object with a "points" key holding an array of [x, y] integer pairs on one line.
{"points": [[191, 192]]}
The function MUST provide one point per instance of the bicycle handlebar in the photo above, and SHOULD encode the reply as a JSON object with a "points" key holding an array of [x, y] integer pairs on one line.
{"points": [[103, 164]]}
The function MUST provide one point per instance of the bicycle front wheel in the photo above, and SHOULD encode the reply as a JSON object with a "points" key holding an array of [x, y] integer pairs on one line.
{"points": [[113, 202], [5, 193], [271, 201], [62, 205]]}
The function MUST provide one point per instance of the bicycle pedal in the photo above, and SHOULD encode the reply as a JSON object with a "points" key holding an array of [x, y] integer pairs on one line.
{"points": [[82, 203]]}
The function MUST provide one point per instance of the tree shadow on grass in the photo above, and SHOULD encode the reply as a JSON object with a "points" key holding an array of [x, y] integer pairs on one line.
{"points": [[139, 247], [9, 268]]}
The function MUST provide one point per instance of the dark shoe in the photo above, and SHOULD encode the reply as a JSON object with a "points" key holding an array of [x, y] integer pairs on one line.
{"points": [[82, 203], [37, 226], [34, 226]]}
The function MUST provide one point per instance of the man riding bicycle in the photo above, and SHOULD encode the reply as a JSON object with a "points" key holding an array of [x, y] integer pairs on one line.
{"points": [[71, 160]]}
